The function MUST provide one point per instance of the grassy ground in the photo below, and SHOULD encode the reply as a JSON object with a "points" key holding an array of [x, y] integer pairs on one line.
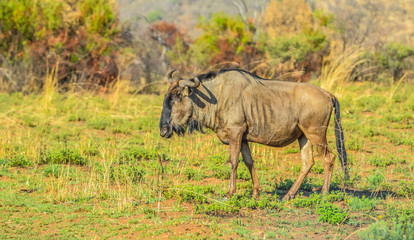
{"points": [[87, 166]]}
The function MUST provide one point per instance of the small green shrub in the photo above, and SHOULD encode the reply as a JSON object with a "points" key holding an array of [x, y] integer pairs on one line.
{"points": [[64, 156], [315, 199], [52, 170], [99, 123], [236, 203], [398, 117], [361, 204], [195, 194], [77, 117], [400, 213], [284, 184], [317, 168], [127, 173], [56, 170], [221, 172], [370, 132], [324, 208], [312, 201], [17, 161], [216, 208], [124, 129], [334, 196], [331, 214], [381, 230], [355, 144], [4, 162], [375, 180], [194, 174], [380, 161], [405, 188], [190, 173], [138, 153], [243, 173]]}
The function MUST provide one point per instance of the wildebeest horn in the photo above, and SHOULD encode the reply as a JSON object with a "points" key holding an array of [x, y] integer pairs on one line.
{"points": [[170, 79], [188, 83]]}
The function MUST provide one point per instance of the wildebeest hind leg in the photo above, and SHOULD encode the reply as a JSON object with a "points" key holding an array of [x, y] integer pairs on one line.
{"points": [[248, 160], [307, 163], [328, 158], [328, 164]]}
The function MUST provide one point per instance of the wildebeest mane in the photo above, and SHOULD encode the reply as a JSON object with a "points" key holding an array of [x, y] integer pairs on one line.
{"points": [[207, 76], [211, 75]]}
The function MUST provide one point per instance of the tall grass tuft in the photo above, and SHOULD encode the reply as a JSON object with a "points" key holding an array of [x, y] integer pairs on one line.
{"points": [[50, 85], [118, 90], [337, 69], [394, 86]]}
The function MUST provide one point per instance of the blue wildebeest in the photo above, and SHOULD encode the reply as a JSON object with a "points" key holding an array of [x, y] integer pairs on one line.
{"points": [[240, 107]]}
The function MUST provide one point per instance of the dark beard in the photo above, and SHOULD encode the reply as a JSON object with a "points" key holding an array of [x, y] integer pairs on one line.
{"points": [[195, 126], [192, 126]]}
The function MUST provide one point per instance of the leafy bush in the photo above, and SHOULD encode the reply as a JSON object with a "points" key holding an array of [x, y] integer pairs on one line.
{"points": [[380, 161], [16, 161], [64, 156], [394, 57], [405, 188], [331, 214], [236, 203], [323, 204], [381, 230], [375, 180], [52, 170], [313, 200], [195, 194], [194, 174], [139, 153], [400, 213], [56, 170], [99, 123], [127, 173], [80, 36], [361, 204], [225, 41]]}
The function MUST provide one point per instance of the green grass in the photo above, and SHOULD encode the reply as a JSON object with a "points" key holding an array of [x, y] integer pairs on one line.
{"points": [[88, 166]]}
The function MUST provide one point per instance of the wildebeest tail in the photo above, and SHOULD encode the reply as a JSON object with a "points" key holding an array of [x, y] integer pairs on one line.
{"points": [[339, 136]]}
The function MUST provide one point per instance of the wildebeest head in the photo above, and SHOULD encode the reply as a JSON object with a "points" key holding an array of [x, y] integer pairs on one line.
{"points": [[177, 107]]}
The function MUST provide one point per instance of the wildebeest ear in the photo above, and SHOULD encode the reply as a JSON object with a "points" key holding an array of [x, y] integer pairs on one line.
{"points": [[188, 83]]}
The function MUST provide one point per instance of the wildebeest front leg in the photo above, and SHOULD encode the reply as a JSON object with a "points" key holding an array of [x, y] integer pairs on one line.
{"points": [[248, 160], [235, 140], [307, 163]]}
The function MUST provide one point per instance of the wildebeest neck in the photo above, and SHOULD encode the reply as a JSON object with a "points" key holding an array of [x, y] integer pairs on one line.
{"points": [[200, 98], [205, 101]]}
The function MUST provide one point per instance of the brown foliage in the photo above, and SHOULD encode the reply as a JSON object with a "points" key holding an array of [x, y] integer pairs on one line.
{"points": [[165, 33], [76, 64]]}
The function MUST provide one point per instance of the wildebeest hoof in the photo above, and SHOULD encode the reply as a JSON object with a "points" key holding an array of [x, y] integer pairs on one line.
{"points": [[288, 197]]}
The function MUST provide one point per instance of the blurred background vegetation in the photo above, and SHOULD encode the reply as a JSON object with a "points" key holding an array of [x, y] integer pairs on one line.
{"points": [[91, 44]]}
